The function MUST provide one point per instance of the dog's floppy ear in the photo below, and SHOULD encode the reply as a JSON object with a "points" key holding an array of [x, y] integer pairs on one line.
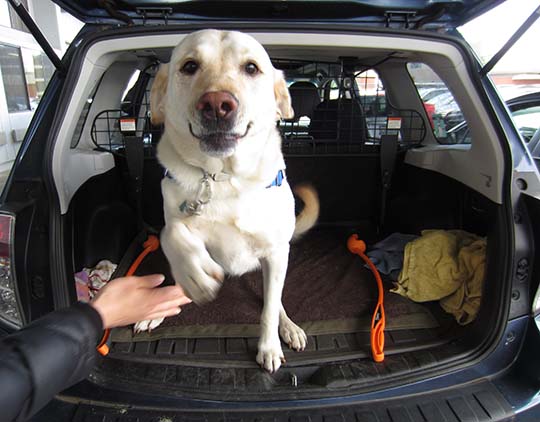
{"points": [[283, 98], [158, 94]]}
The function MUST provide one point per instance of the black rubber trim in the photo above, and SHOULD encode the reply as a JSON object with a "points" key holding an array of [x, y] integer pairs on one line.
{"points": [[250, 383], [241, 352], [479, 402]]}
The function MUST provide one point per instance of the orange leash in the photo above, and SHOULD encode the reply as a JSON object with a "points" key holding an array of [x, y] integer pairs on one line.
{"points": [[378, 321], [150, 245]]}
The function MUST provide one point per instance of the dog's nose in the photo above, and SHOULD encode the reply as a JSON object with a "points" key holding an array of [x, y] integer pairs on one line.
{"points": [[217, 105]]}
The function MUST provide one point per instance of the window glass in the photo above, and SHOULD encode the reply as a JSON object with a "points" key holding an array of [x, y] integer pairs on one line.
{"points": [[4, 13], [11, 65], [14, 21], [25, 74], [527, 120], [38, 71], [340, 110], [444, 114], [333, 90], [372, 96]]}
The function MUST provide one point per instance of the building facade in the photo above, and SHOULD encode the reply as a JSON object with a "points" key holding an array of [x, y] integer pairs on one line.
{"points": [[25, 70]]}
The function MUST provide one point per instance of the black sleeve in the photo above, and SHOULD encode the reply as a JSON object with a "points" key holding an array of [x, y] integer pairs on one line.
{"points": [[46, 357]]}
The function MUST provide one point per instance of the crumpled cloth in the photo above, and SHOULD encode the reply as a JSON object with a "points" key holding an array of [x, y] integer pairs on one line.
{"points": [[448, 266], [90, 280], [387, 255]]}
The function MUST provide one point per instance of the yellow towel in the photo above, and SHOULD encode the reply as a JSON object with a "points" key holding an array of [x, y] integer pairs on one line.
{"points": [[448, 266]]}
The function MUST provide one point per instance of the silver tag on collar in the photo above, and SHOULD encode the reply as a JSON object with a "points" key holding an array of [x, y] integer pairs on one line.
{"points": [[204, 194], [191, 207]]}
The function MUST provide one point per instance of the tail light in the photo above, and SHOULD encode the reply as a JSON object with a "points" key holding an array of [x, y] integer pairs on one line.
{"points": [[9, 305]]}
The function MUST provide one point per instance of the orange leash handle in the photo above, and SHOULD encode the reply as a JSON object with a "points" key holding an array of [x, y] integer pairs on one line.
{"points": [[378, 321], [150, 245]]}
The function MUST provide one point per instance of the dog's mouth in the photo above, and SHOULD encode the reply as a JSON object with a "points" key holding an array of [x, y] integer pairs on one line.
{"points": [[218, 142]]}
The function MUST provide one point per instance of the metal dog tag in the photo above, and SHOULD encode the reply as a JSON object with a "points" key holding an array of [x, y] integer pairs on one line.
{"points": [[203, 197]]}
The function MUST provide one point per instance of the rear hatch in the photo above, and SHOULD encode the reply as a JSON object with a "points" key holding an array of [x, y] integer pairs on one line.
{"points": [[211, 349], [416, 13]]}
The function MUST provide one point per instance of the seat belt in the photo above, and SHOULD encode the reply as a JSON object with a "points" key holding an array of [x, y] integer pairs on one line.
{"points": [[388, 153], [135, 164]]}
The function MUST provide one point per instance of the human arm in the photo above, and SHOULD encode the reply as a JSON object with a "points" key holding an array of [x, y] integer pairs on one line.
{"points": [[59, 349]]}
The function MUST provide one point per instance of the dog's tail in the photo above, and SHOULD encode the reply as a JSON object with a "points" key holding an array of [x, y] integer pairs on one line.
{"points": [[308, 216]]}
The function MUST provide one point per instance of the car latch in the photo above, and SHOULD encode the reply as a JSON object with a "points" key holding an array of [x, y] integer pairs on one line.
{"points": [[154, 12], [401, 17]]}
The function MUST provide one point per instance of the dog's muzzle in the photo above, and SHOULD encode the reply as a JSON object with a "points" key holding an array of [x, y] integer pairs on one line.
{"points": [[217, 116]]}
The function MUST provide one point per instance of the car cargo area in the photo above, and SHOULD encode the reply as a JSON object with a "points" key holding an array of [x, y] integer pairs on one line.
{"points": [[368, 141], [328, 291]]}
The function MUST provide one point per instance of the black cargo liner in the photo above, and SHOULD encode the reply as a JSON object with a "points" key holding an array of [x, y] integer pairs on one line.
{"points": [[240, 352], [196, 337], [250, 383], [419, 199]]}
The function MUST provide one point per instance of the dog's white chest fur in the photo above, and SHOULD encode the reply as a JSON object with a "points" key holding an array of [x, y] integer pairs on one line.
{"points": [[238, 226]]}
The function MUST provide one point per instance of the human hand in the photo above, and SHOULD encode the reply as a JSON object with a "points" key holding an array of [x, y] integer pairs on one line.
{"points": [[126, 300]]}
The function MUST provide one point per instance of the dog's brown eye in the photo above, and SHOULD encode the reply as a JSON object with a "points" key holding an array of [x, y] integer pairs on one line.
{"points": [[251, 68], [190, 67]]}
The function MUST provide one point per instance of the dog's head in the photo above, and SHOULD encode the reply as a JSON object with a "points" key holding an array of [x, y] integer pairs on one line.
{"points": [[219, 89]]}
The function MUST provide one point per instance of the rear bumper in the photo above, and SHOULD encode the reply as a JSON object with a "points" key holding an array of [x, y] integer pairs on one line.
{"points": [[477, 402], [483, 391]]}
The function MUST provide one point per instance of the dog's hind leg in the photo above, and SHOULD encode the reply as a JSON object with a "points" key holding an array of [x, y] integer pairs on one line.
{"points": [[274, 268]]}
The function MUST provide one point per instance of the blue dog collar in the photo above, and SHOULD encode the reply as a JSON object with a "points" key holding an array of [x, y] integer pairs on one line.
{"points": [[278, 180]]}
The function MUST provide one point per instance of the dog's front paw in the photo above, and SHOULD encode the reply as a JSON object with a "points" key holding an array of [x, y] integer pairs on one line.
{"points": [[202, 290], [292, 334], [147, 325], [270, 355], [201, 279]]}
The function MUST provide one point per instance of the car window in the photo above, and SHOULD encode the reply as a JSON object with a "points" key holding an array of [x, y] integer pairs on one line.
{"points": [[527, 120], [11, 66], [127, 111], [342, 108], [444, 114], [82, 119], [25, 75], [372, 96]]}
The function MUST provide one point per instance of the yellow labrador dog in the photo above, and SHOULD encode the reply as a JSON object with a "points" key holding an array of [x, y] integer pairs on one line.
{"points": [[228, 207]]}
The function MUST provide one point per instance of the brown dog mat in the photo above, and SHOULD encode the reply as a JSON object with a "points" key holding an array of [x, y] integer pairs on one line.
{"points": [[327, 290]]}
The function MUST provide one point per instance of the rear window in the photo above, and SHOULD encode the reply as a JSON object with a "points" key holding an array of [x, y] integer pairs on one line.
{"points": [[445, 117], [342, 108]]}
